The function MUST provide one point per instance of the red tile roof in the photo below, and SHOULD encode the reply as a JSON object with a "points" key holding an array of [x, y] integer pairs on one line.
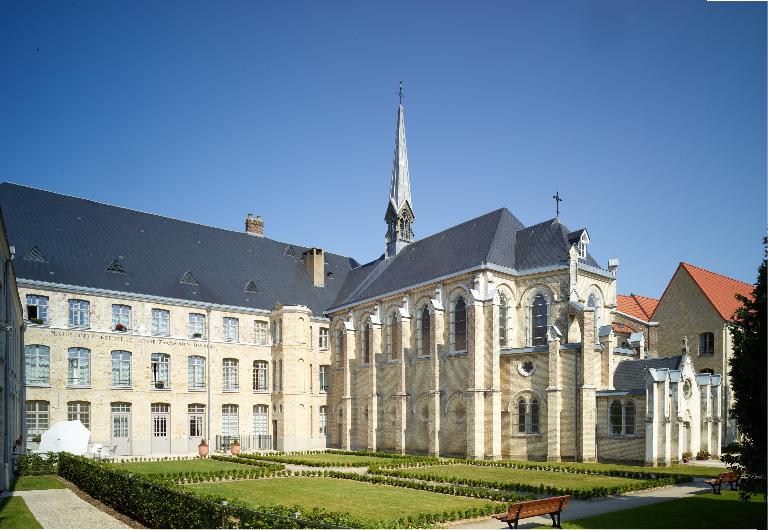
{"points": [[622, 328], [720, 290], [640, 307]]}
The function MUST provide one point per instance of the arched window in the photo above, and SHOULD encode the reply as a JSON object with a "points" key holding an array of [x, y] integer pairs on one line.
{"points": [[503, 320], [423, 339], [629, 417], [616, 418], [534, 417], [593, 302], [230, 377], [392, 336], [339, 345], [365, 342], [521, 409], [458, 331], [539, 317]]}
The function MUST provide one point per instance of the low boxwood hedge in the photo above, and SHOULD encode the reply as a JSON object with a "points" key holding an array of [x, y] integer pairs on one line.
{"points": [[295, 458], [37, 464]]}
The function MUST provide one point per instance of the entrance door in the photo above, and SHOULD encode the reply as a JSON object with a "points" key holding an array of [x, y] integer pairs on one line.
{"points": [[161, 425], [196, 412], [121, 428]]}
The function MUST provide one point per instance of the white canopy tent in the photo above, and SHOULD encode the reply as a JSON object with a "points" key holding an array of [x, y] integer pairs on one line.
{"points": [[69, 436]]}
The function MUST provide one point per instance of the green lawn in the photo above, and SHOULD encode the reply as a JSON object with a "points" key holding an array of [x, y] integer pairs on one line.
{"points": [[178, 466], [15, 514], [696, 511], [677, 469], [371, 502], [331, 459], [43, 482], [516, 476]]}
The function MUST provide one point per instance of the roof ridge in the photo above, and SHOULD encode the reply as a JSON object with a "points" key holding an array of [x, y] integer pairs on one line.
{"points": [[159, 215], [691, 265]]}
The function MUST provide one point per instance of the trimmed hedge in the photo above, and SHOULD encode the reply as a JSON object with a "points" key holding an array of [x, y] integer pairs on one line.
{"points": [[295, 458], [36, 464], [248, 462], [541, 489]]}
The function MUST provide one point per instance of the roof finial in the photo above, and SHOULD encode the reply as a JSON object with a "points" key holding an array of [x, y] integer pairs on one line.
{"points": [[401, 92], [558, 200]]}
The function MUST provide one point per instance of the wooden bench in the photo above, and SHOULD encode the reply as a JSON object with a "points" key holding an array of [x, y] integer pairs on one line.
{"points": [[551, 506], [729, 478]]}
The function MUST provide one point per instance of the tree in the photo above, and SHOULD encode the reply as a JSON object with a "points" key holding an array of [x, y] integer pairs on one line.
{"points": [[747, 372]]}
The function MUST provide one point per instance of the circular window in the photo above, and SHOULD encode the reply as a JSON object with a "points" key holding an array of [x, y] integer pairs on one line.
{"points": [[687, 386], [526, 368]]}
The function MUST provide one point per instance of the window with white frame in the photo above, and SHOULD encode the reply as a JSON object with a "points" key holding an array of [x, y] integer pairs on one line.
{"points": [[161, 319], [322, 339], [260, 376], [260, 332], [79, 313], [229, 373], [528, 416], [37, 364], [160, 365], [196, 413], [539, 318], [325, 377], [196, 372], [196, 326], [38, 418], [37, 309], [121, 317], [79, 410], [503, 320], [160, 419], [121, 369], [622, 418], [323, 420], [458, 325], [594, 302], [78, 367], [260, 420], [707, 343], [423, 332], [229, 420], [231, 329], [392, 333]]}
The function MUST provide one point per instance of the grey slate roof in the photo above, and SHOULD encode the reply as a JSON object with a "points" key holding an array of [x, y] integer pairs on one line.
{"points": [[497, 237], [630, 375], [79, 239]]}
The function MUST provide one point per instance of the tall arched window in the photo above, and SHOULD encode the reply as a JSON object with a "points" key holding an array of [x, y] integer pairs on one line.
{"points": [[503, 320], [521, 408], [528, 416], [616, 418], [392, 336], [534, 417], [365, 342], [629, 417], [423, 338], [458, 329], [539, 317], [593, 302]]}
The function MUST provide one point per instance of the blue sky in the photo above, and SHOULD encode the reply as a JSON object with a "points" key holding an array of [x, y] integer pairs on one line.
{"points": [[648, 117]]}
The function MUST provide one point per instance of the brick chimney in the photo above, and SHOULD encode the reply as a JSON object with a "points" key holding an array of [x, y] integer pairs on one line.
{"points": [[255, 227], [314, 262]]}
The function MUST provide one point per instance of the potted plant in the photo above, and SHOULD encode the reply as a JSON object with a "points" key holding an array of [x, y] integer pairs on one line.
{"points": [[702, 455], [197, 335], [37, 321], [234, 447], [159, 384], [120, 327], [202, 448], [687, 457]]}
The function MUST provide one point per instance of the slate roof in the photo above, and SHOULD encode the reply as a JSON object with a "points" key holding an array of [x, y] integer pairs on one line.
{"points": [[720, 290], [640, 307], [74, 241], [630, 375], [497, 237]]}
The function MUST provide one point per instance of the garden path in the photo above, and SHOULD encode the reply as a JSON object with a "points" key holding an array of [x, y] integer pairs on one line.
{"points": [[61, 508], [578, 509]]}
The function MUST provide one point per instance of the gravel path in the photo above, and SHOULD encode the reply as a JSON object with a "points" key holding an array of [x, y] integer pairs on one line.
{"points": [[578, 509], [61, 508]]}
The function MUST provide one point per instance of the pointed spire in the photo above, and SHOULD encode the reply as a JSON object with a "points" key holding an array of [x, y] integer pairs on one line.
{"points": [[400, 184], [399, 216]]}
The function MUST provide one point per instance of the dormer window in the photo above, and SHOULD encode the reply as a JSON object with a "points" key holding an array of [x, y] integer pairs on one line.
{"points": [[582, 246]]}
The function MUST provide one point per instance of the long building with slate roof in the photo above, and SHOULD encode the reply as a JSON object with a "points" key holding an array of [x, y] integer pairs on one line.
{"points": [[487, 339]]}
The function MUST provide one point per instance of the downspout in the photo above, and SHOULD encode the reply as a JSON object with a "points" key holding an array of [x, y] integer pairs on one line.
{"points": [[9, 420], [577, 391], [208, 368]]}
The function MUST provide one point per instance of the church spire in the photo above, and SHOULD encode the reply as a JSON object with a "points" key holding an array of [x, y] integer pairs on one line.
{"points": [[399, 216]]}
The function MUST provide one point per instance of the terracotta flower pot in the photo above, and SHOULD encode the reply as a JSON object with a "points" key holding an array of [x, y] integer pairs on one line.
{"points": [[235, 449], [202, 450]]}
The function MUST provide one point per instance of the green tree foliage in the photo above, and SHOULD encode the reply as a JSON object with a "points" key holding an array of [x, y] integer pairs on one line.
{"points": [[748, 369]]}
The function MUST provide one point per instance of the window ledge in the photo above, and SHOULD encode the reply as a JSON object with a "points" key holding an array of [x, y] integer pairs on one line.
{"points": [[129, 387], [79, 386], [460, 353], [160, 334], [79, 327], [392, 361], [37, 385], [231, 390], [31, 324], [196, 389], [164, 389], [261, 391], [527, 435], [626, 436]]}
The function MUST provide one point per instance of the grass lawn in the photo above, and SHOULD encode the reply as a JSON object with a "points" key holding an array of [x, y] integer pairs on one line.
{"points": [[330, 459], [519, 476], [677, 469], [371, 502], [15, 514], [696, 511], [178, 466], [43, 482]]}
